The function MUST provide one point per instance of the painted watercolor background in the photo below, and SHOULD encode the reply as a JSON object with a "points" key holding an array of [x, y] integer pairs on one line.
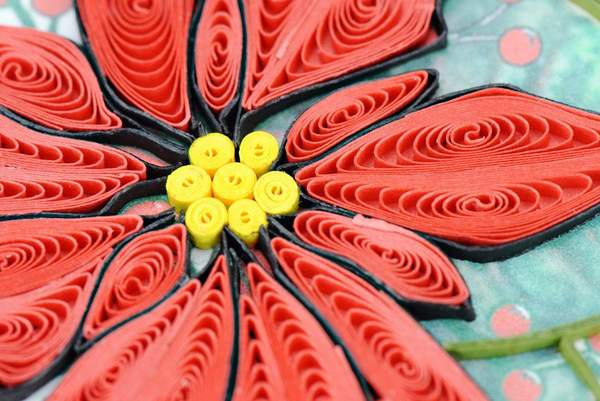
{"points": [[548, 47]]}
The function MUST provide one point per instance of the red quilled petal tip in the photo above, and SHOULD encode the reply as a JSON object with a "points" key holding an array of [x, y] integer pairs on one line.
{"points": [[486, 168], [347, 111], [46, 79], [398, 358], [142, 273], [180, 350], [405, 262], [219, 52], [34, 252], [284, 353], [141, 48], [36, 327], [45, 173], [295, 44]]}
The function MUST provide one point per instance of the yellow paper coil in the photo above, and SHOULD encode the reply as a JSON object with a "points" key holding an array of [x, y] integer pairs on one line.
{"points": [[233, 181], [277, 193], [258, 150], [205, 219], [245, 219], [211, 152], [186, 185]]}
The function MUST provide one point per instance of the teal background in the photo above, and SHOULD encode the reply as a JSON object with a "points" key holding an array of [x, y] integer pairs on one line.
{"points": [[556, 283]]}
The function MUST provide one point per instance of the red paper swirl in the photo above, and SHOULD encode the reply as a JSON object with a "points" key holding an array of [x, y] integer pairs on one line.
{"points": [[219, 52], [346, 112], [37, 326], [34, 252], [486, 168], [405, 262], [141, 47], [327, 39], [179, 351], [46, 79], [284, 352], [143, 273], [44, 173], [398, 358]]}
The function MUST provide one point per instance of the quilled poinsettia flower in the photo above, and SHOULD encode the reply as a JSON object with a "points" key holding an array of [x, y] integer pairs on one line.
{"points": [[301, 297]]}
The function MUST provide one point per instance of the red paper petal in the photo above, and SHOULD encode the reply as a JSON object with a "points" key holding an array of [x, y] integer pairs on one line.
{"points": [[34, 252], [284, 352], [44, 173], [143, 273], [37, 326], [46, 79], [486, 168], [398, 357], [322, 40], [180, 350], [346, 112], [141, 47], [219, 52], [405, 262]]}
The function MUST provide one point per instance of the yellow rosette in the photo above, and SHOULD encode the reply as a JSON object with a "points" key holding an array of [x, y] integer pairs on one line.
{"points": [[211, 152], [245, 220], [277, 193], [205, 219], [186, 185], [232, 182], [258, 150]]}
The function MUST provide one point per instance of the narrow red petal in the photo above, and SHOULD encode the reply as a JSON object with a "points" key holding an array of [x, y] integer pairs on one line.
{"points": [[143, 273], [44, 173], [219, 52], [407, 263], [37, 326], [346, 112], [180, 350], [34, 252], [486, 168], [284, 353], [398, 357], [46, 79], [141, 48]]}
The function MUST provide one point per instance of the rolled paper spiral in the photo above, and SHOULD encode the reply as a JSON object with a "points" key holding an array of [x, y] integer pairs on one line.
{"points": [[34, 252], [140, 275], [187, 184], [276, 329], [218, 52], [38, 326], [44, 173], [398, 358], [245, 220], [405, 262], [258, 150], [205, 220], [180, 349], [348, 111], [141, 48], [46, 79], [232, 182], [277, 193], [486, 168], [309, 42], [211, 152]]}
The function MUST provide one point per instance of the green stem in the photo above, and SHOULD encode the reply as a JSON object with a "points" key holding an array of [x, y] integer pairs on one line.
{"points": [[524, 343], [591, 6], [583, 371], [22, 13]]}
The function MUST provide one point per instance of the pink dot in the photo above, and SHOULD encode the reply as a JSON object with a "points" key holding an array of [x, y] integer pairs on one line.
{"points": [[510, 1], [520, 46], [522, 385], [595, 342], [148, 208], [510, 320], [52, 8], [3, 2]]}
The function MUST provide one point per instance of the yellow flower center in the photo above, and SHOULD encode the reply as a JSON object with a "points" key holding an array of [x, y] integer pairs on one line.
{"points": [[215, 191]]}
